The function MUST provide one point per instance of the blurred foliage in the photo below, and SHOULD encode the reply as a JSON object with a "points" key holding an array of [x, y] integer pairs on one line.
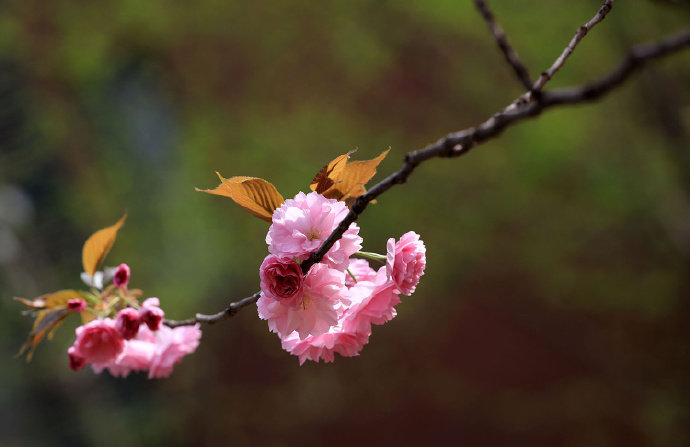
{"points": [[555, 306]]}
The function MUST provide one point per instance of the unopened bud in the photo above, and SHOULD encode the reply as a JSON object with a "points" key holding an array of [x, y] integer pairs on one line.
{"points": [[127, 323]]}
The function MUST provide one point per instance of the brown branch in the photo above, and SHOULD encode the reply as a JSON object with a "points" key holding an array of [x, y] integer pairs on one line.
{"points": [[459, 143], [226, 313], [579, 34], [508, 52]]}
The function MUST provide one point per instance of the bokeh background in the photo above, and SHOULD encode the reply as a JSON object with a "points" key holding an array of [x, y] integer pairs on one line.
{"points": [[554, 310]]}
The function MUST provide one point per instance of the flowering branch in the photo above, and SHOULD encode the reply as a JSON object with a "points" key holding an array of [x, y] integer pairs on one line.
{"points": [[459, 143]]}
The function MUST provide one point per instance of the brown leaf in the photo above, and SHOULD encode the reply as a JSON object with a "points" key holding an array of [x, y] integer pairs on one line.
{"points": [[46, 323], [255, 195], [349, 181], [98, 245], [87, 316], [51, 300], [324, 178], [37, 303]]}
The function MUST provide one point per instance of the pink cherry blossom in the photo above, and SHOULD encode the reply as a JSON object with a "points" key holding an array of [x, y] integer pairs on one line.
{"points": [[372, 303], [137, 356], [156, 352], [347, 344], [312, 311], [151, 313], [171, 346], [127, 323], [301, 225], [361, 270], [281, 278], [121, 276], [405, 261], [97, 342]]}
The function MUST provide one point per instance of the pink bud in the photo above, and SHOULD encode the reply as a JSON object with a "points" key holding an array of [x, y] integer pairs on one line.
{"points": [[121, 277], [152, 316], [127, 323], [76, 304], [76, 362]]}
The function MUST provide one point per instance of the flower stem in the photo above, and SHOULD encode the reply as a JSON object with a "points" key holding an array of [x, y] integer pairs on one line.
{"points": [[373, 256], [353, 276]]}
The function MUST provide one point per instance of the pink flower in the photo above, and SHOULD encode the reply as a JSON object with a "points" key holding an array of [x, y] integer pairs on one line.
{"points": [[151, 313], [405, 261], [121, 276], [155, 352], [347, 344], [127, 323], [76, 304], [361, 270], [372, 303], [171, 346], [313, 310], [301, 225], [97, 342], [281, 278], [137, 355]]}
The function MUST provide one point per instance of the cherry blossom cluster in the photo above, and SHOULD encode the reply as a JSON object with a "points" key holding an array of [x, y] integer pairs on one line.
{"points": [[332, 308], [135, 340]]}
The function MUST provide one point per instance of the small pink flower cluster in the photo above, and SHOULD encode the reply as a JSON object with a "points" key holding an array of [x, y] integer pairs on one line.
{"points": [[331, 308], [135, 341]]}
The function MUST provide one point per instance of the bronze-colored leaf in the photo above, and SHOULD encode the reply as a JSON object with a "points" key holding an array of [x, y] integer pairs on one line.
{"points": [[58, 300], [49, 301], [46, 323], [348, 183], [37, 303], [324, 179], [87, 316], [255, 195], [98, 245]]}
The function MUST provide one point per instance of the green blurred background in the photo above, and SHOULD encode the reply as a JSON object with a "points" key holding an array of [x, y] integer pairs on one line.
{"points": [[554, 310]]}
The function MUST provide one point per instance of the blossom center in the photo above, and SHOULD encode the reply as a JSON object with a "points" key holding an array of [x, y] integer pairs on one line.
{"points": [[313, 234]]}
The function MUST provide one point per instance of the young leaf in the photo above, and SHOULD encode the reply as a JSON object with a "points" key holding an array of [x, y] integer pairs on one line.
{"points": [[50, 301], [46, 322], [349, 179], [98, 245], [324, 179], [255, 195]]}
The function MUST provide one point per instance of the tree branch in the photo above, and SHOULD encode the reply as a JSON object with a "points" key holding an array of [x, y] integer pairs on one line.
{"points": [[579, 34], [459, 143], [508, 52]]}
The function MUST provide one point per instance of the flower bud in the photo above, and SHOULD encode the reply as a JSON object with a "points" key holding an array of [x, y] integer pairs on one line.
{"points": [[127, 323], [151, 314], [76, 362], [121, 277], [76, 304]]}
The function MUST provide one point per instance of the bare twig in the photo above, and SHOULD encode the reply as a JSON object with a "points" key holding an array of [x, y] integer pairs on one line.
{"points": [[508, 52], [579, 34], [220, 316], [459, 143]]}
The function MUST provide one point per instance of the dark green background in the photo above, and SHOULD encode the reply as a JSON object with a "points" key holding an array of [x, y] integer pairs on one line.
{"points": [[554, 310]]}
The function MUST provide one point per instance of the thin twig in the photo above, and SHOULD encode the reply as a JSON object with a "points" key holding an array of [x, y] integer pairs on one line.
{"points": [[228, 312], [508, 52], [579, 34], [460, 143]]}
